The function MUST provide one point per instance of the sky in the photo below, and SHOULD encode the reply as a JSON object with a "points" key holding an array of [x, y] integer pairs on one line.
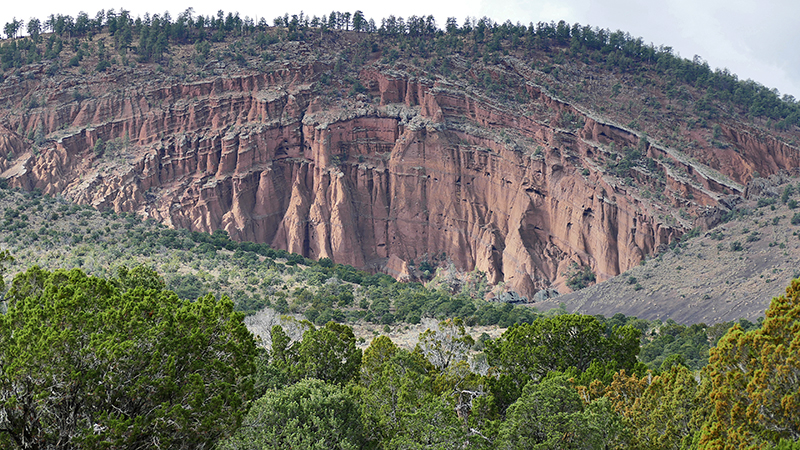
{"points": [[755, 39]]}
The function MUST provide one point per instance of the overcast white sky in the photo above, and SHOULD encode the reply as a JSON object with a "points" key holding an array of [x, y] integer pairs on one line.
{"points": [[755, 39]]}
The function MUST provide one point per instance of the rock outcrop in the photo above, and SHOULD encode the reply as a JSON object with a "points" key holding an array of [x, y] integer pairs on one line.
{"points": [[408, 171]]}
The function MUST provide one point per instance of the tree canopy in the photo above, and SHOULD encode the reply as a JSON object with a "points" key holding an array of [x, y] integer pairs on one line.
{"points": [[97, 363], [89, 362], [311, 414], [754, 378], [528, 352]]}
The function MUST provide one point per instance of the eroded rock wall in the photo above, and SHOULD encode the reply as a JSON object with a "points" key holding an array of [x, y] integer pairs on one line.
{"points": [[413, 170]]}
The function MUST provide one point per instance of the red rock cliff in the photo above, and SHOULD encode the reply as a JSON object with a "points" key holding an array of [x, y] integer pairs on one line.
{"points": [[412, 170]]}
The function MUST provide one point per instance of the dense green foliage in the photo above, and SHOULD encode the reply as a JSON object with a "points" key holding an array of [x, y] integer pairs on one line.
{"points": [[528, 352], [309, 415], [122, 362], [551, 415], [119, 363], [691, 343], [754, 380], [573, 381]]}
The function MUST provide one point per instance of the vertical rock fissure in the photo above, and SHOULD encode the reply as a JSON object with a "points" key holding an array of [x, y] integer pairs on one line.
{"points": [[461, 191]]}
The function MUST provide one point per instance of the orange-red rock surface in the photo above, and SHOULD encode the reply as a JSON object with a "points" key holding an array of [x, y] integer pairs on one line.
{"points": [[412, 170]]}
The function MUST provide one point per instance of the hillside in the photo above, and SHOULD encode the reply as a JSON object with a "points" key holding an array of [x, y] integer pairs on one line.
{"points": [[522, 153], [273, 287], [53, 233], [729, 272], [172, 190]]}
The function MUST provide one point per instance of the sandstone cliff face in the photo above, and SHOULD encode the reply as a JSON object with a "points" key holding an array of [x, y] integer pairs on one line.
{"points": [[413, 170]]}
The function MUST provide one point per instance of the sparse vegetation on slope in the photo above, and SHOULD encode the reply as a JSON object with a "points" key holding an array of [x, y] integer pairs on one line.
{"points": [[724, 274], [52, 232]]}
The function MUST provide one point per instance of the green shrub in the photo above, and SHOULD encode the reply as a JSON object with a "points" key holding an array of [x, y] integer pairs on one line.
{"points": [[187, 286], [99, 147], [309, 414], [125, 329], [580, 277], [765, 202], [103, 65]]}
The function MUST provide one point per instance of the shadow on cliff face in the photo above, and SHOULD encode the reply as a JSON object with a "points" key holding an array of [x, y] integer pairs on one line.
{"points": [[401, 168]]}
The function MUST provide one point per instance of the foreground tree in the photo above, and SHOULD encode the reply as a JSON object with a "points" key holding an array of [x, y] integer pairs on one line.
{"points": [[329, 353], [431, 424], [656, 412], [755, 400], [395, 383], [528, 352], [309, 415], [548, 415], [84, 363]]}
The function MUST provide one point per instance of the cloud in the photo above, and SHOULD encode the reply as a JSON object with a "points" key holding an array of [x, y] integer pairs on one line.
{"points": [[755, 39]]}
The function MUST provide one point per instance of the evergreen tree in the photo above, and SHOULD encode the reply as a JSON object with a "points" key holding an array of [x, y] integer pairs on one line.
{"points": [[754, 396], [84, 363], [35, 30], [310, 415]]}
